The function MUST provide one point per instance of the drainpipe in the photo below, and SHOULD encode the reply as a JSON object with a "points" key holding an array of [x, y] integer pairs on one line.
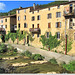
{"points": [[65, 39]]}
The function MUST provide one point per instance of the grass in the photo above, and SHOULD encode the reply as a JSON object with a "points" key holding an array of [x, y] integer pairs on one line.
{"points": [[20, 59], [40, 68], [6, 55]]}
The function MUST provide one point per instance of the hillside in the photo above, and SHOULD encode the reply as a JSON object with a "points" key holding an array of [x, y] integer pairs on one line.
{"points": [[41, 6]]}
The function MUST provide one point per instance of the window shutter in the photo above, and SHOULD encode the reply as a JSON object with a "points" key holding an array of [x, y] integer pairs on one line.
{"points": [[56, 25], [49, 25], [60, 24]]}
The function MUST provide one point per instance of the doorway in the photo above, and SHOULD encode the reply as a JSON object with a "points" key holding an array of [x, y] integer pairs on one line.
{"points": [[27, 39]]}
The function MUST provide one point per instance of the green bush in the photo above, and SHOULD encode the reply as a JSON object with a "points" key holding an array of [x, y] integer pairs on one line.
{"points": [[53, 61], [15, 50], [3, 48], [56, 51], [70, 66], [10, 48], [28, 54], [37, 57], [2, 70]]}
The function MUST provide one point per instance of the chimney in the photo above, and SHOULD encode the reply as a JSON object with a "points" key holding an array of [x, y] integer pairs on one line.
{"points": [[20, 7], [34, 6]]}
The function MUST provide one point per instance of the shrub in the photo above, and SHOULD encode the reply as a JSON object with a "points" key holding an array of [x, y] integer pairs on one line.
{"points": [[23, 54], [70, 66], [28, 54], [3, 48], [2, 70], [56, 51], [37, 57], [15, 50], [53, 61]]}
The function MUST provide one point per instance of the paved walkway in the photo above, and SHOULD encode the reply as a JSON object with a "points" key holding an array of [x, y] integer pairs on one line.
{"points": [[47, 54]]}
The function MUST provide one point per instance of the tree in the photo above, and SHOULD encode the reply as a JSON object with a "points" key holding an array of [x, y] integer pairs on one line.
{"points": [[30, 37], [17, 35], [24, 34], [50, 42]]}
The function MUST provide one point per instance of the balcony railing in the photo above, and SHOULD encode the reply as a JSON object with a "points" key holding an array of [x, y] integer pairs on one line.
{"points": [[34, 30]]}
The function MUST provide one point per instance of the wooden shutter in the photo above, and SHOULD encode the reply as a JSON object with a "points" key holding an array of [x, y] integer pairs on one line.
{"points": [[49, 25], [37, 25]]}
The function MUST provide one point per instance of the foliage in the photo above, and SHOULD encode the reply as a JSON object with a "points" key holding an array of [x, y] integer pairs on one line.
{"points": [[56, 51], [7, 36], [53, 61], [52, 4], [69, 43], [37, 57], [51, 42], [6, 13], [43, 40], [3, 48], [28, 54], [13, 36], [70, 66], [30, 37], [2, 70]]}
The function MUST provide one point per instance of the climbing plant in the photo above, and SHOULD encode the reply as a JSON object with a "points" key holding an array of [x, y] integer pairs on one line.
{"points": [[69, 44]]}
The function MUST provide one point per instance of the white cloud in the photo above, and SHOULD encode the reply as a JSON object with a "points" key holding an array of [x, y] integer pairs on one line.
{"points": [[2, 6]]}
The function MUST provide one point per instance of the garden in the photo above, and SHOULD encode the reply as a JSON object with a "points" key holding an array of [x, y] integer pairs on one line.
{"points": [[11, 61]]}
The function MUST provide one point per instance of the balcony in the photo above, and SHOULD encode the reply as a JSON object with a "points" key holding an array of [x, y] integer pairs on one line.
{"points": [[34, 30], [68, 14]]}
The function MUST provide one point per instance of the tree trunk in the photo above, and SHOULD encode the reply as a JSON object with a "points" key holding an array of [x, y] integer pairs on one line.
{"points": [[17, 40]]}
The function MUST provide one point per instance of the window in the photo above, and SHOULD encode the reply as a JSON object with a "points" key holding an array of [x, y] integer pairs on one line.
{"points": [[47, 34], [21, 32], [70, 5], [58, 14], [37, 35], [25, 17], [49, 15], [1, 26], [1, 21], [49, 25], [71, 19], [37, 25], [18, 11], [5, 26], [5, 20], [18, 18], [32, 12], [58, 35], [58, 6], [33, 18], [48, 8], [32, 25], [38, 17], [32, 35], [18, 25], [58, 24], [25, 25], [38, 10], [24, 10]]}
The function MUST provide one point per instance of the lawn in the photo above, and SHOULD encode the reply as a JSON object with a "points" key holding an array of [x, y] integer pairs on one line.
{"points": [[40, 68]]}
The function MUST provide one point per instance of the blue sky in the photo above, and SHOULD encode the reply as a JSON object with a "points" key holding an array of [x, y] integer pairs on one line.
{"points": [[6, 6]]}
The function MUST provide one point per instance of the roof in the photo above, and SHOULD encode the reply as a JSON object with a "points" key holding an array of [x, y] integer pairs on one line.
{"points": [[39, 8], [7, 16]]}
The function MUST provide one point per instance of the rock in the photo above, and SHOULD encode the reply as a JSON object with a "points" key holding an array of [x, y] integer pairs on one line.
{"points": [[38, 62], [19, 64], [51, 72]]}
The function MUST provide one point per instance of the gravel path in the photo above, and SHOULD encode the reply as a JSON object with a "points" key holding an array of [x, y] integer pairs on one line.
{"points": [[47, 54]]}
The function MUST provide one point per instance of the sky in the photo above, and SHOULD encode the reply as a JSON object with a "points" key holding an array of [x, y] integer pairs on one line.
{"points": [[6, 6]]}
